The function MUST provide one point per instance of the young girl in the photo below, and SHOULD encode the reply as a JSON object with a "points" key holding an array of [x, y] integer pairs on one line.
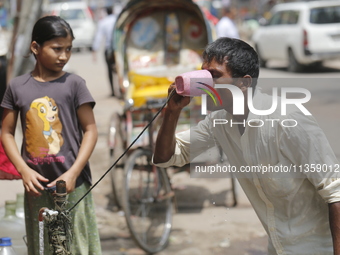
{"points": [[59, 135]]}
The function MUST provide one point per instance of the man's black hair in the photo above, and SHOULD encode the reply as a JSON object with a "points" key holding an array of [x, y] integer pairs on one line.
{"points": [[238, 56]]}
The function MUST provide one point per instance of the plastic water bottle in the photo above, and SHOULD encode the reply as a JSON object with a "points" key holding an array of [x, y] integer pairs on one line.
{"points": [[13, 227], [6, 246], [19, 210]]}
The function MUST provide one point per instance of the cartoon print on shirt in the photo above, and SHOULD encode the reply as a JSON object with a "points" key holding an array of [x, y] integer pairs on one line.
{"points": [[43, 128]]}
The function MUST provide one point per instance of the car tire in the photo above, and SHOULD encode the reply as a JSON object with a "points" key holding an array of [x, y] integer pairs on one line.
{"points": [[262, 62], [317, 65], [293, 65]]}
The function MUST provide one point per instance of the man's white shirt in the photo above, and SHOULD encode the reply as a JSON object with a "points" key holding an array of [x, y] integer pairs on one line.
{"points": [[227, 28], [293, 208], [104, 30]]}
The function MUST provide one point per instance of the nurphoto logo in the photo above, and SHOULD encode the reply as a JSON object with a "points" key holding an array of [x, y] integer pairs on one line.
{"points": [[204, 96], [239, 103]]}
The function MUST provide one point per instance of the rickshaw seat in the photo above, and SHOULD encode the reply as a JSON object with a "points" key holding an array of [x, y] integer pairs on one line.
{"points": [[145, 87]]}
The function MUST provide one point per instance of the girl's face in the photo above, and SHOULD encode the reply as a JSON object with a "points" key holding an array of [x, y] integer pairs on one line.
{"points": [[53, 55]]}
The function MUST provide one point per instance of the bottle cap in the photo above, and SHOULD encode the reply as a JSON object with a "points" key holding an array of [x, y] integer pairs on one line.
{"points": [[5, 241]]}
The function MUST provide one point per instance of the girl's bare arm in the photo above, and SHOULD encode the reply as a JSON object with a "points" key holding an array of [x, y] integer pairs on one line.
{"points": [[31, 179]]}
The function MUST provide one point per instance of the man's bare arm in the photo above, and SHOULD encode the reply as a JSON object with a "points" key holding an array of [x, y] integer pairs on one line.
{"points": [[166, 141], [334, 221]]}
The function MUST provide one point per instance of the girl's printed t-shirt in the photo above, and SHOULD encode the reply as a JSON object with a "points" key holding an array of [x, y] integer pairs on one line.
{"points": [[52, 133]]}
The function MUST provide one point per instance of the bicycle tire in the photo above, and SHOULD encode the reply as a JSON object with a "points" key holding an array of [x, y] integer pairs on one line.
{"points": [[117, 179], [147, 203], [117, 173]]}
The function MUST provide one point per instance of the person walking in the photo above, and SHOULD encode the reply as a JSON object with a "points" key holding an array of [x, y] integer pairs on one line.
{"points": [[59, 135], [105, 31], [226, 26]]}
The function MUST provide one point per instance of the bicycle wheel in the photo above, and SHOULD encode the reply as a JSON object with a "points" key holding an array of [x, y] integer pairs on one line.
{"points": [[147, 202], [117, 180], [117, 146]]}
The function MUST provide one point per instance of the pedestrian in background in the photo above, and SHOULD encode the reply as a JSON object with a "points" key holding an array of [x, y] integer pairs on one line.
{"points": [[105, 31], [226, 27], [59, 135]]}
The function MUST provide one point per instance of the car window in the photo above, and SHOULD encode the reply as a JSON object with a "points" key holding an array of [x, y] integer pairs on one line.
{"points": [[284, 18], [73, 14], [325, 15], [293, 17], [276, 19]]}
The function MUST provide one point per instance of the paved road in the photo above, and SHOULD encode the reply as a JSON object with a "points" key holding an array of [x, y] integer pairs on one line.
{"points": [[204, 223]]}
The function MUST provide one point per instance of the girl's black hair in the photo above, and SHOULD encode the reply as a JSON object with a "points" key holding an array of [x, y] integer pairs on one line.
{"points": [[50, 27], [239, 57]]}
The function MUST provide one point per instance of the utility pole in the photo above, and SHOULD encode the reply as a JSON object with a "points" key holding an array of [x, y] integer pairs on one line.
{"points": [[28, 13]]}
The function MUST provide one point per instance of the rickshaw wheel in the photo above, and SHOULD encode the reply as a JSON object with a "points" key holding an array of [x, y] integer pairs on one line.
{"points": [[147, 202], [116, 87], [117, 173]]}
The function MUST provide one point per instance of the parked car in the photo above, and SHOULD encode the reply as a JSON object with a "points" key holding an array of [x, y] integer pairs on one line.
{"points": [[302, 33], [80, 18]]}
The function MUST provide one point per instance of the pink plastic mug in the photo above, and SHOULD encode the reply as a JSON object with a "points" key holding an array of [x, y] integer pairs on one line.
{"points": [[193, 83]]}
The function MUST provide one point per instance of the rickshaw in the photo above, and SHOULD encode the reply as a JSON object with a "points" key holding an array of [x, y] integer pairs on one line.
{"points": [[154, 41]]}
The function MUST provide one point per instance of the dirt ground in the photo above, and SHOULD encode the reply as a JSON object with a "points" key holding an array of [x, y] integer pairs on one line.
{"points": [[205, 222]]}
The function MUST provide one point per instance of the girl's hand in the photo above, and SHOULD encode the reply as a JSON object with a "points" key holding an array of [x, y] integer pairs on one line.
{"points": [[68, 178], [31, 180]]}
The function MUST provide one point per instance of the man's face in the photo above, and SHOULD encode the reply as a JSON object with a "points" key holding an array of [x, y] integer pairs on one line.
{"points": [[221, 75], [218, 71]]}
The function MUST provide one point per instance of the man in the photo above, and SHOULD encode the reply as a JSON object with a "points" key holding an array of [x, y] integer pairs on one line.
{"points": [[105, 30], [226, 26], [299, 211]]}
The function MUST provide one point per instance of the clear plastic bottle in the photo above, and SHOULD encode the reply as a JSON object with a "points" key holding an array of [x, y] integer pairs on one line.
{"points": [[19, 210], [6, 246], [13, 227]]}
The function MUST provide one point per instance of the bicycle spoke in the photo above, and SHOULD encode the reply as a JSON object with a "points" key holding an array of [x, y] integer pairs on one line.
{"points": [[148, 202]]}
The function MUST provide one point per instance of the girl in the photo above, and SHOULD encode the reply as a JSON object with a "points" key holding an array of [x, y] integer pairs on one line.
{"points": [[59, 134]]}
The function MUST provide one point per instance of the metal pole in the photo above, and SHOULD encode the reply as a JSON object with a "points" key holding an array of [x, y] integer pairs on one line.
{"points": [[58, 223], [29, 12]]}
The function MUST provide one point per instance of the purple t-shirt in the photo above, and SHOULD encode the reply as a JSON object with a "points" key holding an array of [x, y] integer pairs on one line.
{"points": [[52, 133]]}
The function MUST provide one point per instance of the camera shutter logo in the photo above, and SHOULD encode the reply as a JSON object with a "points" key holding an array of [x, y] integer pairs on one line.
{"points": [[211, 94]]}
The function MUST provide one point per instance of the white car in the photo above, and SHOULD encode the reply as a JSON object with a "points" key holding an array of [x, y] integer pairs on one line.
{"points": [[80, 18], [301, 33]]}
